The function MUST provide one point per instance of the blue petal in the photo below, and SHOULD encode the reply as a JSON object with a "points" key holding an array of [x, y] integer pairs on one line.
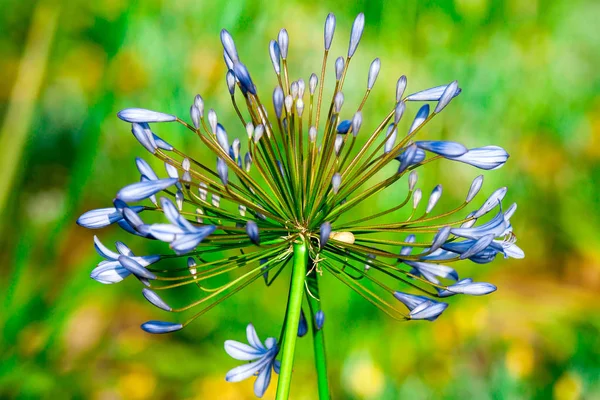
{"points": [[102, 217], [319, 319], [356, 33], [245, 371], [410, 300], [435, 269], [155, 300], [488, 157], [161, 327], [442, 147], [252, 337], [262, 381], [421, 116], [242, 74], [496, 227], [223, 171], [428, 310], [302, 325], [491, 202], [473, 288], [142, 115], [449, 93], [252, 231], [135, 268], [141, 190], [324, 233], [144, 135], [104, 251], [344, 126], [242, 352], [109, 272], [145, 169], [433, 94]]}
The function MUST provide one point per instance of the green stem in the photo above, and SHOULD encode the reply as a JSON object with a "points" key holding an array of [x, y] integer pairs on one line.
{"points": [[294, 307], [318, 338]]}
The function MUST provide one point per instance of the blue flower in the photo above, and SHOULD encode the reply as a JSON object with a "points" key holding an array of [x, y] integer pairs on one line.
{"points": [[103, 217], [488, 157], [421, 307], [111, 270], [319, 319], [261, 355], [180, 233], [141, 115]]}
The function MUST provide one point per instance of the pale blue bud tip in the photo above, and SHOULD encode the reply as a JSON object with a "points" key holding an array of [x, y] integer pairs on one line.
{"points": [[161, 327]]}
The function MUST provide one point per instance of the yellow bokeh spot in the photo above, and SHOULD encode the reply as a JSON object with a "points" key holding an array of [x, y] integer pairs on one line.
{"points": [[137, 384], [216, 387], [567, 387], [366, 379], [520, 360]]}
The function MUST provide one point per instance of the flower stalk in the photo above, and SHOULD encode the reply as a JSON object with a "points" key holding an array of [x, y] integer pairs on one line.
{"points": [[294, 307], [318, 336]]}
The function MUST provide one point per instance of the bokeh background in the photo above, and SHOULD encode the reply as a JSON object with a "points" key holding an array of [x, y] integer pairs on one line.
{"points": [[529, 73]]}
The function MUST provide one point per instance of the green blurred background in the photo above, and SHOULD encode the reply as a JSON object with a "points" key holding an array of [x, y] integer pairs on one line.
{"points": [[529, 73]]}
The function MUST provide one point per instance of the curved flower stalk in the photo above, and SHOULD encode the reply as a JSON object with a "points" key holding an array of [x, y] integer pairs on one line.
{"points": [[281, 191]]}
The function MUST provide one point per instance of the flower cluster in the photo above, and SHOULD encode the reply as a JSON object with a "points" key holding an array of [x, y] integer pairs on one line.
{"points": [[297, 172]]}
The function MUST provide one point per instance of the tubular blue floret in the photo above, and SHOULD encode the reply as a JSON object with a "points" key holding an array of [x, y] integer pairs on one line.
{"points": [[344, 126], [222, 171], [302, 325], [158, 327], [406, 250], [357, 30], [434, 198], [319, 319], [102, 217], [145, 136], [339, 68], [229, 45], [284, 41], [442, 147], [143, 190], [324, 233], [243, 76], [429, 269], [480, 244], [135, 268], [252, 231], [433, 94], [497, 226], [491, 202], [391, 141], [421, 116], [145, 169], [421, 307], [275, 55], [155, 299], [141, 115], [329, 30], [449, 93], [487, 158], [400, 87], [373, 73], [475, 188], [336, 181], [472, 288], [407, 158]]}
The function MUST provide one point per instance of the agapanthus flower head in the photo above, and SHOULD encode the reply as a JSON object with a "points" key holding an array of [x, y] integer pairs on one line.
{"points": [[297, 171]]}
